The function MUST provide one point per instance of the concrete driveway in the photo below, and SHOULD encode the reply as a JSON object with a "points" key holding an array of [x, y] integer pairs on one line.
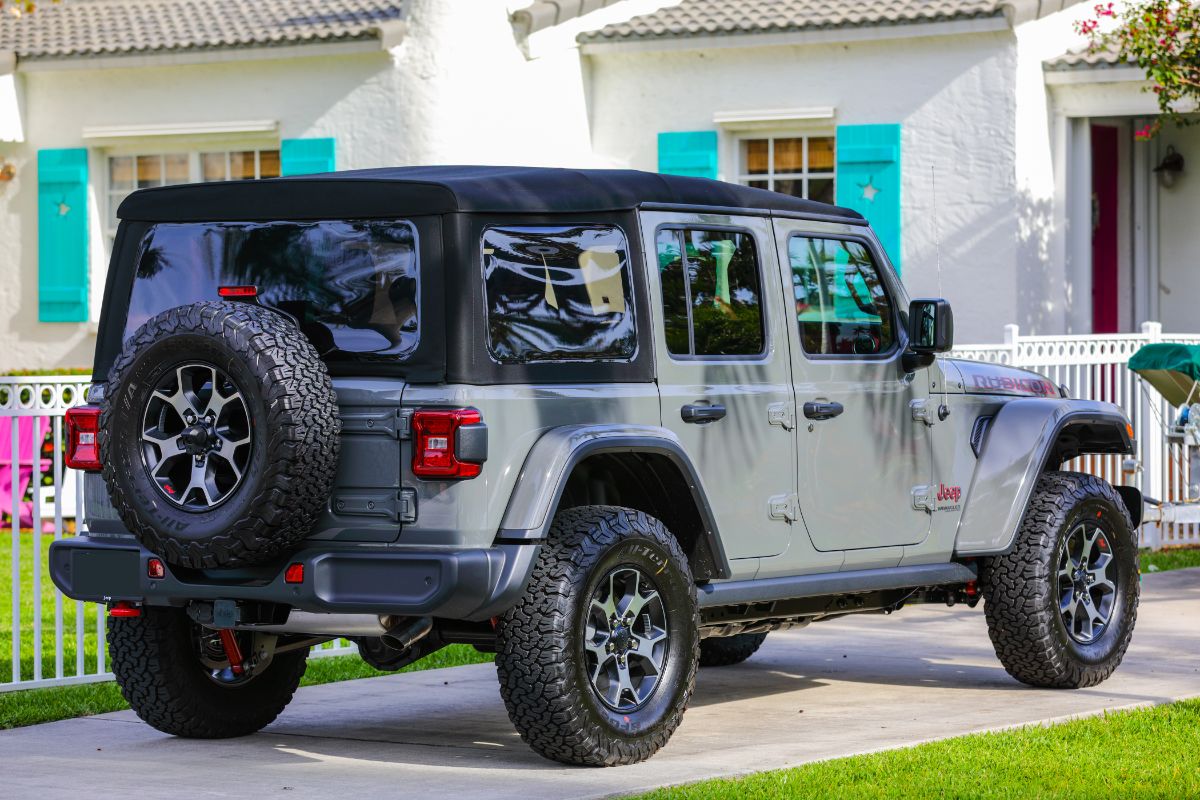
{"points": [[833, 689]]}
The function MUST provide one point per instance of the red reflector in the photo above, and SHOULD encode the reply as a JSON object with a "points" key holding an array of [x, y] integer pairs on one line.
{"points": [[434, 443], [83, 445], [238, 291], [294, 574], [124, 609], [155, 569]]}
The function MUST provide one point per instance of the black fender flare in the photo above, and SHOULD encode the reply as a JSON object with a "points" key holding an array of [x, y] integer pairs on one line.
{"points": [[1028, 437], [553, 457]]}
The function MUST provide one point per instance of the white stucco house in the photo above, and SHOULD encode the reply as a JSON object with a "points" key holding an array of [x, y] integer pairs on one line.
{"points": [[962, 128]]}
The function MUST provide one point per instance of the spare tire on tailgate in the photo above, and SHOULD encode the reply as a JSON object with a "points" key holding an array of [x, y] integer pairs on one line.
{"points": [[219, 435]]}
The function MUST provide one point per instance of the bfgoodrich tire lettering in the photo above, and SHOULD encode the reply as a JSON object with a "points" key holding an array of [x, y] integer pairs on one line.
{"points": [[542, 660], [1022, 600], [157, 667], [293, 434]]}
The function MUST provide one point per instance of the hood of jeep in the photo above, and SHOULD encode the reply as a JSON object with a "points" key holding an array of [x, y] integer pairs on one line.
{"points": [[977, 377]]}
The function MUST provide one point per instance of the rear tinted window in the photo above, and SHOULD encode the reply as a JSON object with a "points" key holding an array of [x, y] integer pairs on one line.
{"points": [[351, 285], [558, 293]]}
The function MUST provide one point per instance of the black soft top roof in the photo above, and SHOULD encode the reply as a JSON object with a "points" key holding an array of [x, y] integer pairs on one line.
{"points": [[412, 191]]}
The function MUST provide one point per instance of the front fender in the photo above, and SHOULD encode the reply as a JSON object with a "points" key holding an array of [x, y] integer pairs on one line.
{"points": [[552, 458], [1029, 436]]}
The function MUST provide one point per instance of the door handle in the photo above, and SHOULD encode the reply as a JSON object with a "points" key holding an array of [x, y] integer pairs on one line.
{"points": [[814, 410], [700, 414]]}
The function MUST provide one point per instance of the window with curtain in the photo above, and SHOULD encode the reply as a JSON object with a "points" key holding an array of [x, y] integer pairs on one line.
{"points": [[127, 173]]}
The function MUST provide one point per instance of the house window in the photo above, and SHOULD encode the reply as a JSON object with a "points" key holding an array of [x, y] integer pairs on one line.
{"points": [[127, 173], [802, 166]]}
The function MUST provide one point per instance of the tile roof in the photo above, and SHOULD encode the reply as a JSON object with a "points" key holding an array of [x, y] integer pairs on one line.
{"points": [[725, 17], [122, 27], [1083, 59]]}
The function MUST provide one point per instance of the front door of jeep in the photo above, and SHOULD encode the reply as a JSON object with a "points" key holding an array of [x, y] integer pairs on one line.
{"points": [[724, 371], [860, 452]]}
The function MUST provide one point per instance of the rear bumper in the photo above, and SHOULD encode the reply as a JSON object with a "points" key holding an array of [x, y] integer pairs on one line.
{"points": [[474, 584]]}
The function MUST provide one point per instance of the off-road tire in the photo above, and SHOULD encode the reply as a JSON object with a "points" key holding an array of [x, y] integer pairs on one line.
{"points": [[539, 649], [726, 651], [162, 677], [1020, 600], [294, 423]]}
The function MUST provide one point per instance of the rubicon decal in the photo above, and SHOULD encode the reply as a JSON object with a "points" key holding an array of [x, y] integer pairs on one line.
{"points": [[1005, 383], [981, 378]]}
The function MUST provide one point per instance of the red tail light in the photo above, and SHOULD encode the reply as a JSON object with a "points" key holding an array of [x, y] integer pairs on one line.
{"points": [[83, 438], [436, 444]]}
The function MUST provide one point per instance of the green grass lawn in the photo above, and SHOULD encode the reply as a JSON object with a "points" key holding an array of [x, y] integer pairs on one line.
{"points": [[1170, 559], [1153, 752]]}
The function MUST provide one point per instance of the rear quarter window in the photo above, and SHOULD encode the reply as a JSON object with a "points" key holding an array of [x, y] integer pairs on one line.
{"points": [[558, 293], [352, 285]]}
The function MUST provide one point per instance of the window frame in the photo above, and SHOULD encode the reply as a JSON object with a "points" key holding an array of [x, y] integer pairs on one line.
{"points": [[631, 288], [890, 283], [764, 300], [744, 177], [195, 172]]}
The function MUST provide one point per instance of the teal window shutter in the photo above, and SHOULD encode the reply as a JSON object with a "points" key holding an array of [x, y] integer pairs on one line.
{"points": [[691, 153], [62, 235], [868, 179], [307, 156]]}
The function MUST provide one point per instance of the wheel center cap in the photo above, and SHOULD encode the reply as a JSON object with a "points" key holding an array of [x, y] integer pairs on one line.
{"points": [[621, 639], [195, 439]]}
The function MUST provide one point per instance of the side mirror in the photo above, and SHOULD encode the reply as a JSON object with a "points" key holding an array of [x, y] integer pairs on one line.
{"points": [[930, 331]]}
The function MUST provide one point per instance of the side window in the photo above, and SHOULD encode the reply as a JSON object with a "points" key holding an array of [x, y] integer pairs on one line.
{"points": [[558, 292], [842, 305], [712, 297]]}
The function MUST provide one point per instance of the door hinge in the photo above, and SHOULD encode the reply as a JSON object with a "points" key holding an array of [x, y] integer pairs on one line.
{"points": [[785, 507], [782, 414], [929, 412], [923, 499]]}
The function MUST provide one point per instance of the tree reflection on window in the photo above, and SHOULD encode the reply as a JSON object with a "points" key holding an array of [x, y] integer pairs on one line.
{"points": [[842, 305]]}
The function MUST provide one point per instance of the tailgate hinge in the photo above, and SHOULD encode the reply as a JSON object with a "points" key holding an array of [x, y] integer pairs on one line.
{"points": [[396, 424]]}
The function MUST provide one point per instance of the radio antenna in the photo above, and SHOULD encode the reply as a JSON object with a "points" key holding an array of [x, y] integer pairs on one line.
{"points": [[944, 409], [937, 231]]}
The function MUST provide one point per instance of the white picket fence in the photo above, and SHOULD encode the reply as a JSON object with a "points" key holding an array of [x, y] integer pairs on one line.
{"points": [[1094, 367], [71, 648]]}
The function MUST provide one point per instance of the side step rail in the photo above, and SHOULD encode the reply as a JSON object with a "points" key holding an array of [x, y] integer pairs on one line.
{"points": [[765, 590]]}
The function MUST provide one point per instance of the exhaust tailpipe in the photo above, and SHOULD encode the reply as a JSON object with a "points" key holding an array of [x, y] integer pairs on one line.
{"points": [[407, 633]]}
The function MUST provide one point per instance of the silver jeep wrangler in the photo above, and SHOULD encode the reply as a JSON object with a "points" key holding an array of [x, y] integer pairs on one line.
{"points": [[610, 425]]}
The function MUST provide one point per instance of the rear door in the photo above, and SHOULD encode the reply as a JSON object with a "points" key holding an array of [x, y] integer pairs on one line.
{"points": [[723, 370]]}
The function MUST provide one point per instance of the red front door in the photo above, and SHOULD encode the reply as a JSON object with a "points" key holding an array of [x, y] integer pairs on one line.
{"points": [[1105, 157]]}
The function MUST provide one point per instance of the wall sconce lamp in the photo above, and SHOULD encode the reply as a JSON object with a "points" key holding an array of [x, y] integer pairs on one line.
{"points": [[1170, 168]]}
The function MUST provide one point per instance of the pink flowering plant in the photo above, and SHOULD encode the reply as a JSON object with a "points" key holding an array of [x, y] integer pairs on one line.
{"points": [[1163, 38]]}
